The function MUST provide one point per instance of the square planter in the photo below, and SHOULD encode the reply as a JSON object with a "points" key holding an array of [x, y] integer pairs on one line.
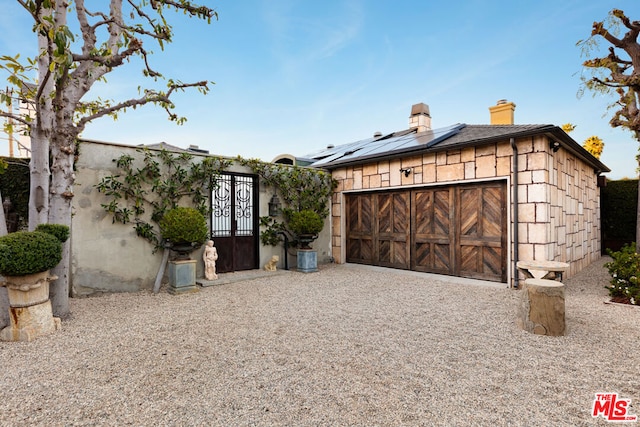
{"points": [[182, 276], [307, 260]]}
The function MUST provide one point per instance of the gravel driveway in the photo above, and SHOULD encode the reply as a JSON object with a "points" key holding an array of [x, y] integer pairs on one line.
{"points": [[348, 345]]}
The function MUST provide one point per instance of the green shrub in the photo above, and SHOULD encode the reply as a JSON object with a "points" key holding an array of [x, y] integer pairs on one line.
{"points": [[184, 225], [619, 209], [625, 275], [305, 222], [14, 185], [61, 232], [28, 252]]}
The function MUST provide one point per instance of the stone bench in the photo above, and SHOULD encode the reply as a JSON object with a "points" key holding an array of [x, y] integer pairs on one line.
{"points": [[541, 309]]}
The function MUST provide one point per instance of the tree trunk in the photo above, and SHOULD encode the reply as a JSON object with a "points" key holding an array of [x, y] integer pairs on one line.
{"points": [[638, 212], [40, 134], [60, 213], [3, 219], [4, 298], [39, 179]]}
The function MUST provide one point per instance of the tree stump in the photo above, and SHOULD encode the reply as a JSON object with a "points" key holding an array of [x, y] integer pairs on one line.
{"points": [[541, 308]]}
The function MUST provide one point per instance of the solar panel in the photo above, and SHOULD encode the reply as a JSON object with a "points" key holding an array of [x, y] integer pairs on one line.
{"points": [[394, 143]]}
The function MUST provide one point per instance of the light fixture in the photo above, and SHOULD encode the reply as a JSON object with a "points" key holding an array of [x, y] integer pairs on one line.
{"points": [[274, 206], [554, 145], [406, 171]]}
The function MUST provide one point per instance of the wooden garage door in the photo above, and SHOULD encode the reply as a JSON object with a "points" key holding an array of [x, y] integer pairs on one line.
{"points": [[456, 230]]}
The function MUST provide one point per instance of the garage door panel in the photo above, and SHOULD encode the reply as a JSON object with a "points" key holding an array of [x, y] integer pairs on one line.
{"points": [[359, 239], [433, 258], [385, 216], [360, 251], [492, 257], [423, 215], [442, 261], [469, 207], [392, 238], [441, 212], [384, 252], [401, 213], [455, 230], [482, 230], [492, 213], [481, 263]]}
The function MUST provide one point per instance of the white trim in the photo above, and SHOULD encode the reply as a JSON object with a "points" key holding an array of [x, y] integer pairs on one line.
{"points": [[431, 184]]}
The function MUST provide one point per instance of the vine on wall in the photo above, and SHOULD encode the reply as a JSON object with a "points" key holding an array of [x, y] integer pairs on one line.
{"points": [[141, 195], [300, 189]]}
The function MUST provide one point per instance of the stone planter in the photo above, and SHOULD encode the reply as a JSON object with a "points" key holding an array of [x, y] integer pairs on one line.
{"points": [[29, 307], [307, 260], [182, 276]]}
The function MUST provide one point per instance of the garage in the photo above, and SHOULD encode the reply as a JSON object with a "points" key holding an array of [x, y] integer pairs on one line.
{"points": [[458, 230]]}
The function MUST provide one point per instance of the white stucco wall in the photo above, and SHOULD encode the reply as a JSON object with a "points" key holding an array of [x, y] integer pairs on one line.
{"points": [[108, 257]]}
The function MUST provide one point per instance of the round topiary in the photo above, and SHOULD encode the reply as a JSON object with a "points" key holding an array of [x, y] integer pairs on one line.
{"points": [[305, 222], [28, 252], [61, 232], [184, 225]]}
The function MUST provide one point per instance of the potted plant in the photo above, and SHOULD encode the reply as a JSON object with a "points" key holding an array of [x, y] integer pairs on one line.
{"points": [[306, 224], [25, 260], [183, 230]]}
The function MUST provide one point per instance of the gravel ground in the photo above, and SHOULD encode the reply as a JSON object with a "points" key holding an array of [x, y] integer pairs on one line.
{"points": [[346, 346]]}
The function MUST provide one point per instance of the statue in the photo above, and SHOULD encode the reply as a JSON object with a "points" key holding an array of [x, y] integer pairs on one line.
{"points": [[271, 265], [210, 255]]}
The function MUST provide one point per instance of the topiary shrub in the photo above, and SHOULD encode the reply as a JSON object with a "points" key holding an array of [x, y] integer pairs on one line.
{"points": [[28, 252], [305, 225], [61, 232], [305, 222], [184, 225]]}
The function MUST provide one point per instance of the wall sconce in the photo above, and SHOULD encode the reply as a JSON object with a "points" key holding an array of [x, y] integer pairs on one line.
{"points": [[274, 206], [554, 145], [406, 171]]}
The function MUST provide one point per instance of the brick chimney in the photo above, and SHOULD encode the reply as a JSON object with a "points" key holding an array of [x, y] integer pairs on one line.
{"points": [[420, 117], [502, 112]]}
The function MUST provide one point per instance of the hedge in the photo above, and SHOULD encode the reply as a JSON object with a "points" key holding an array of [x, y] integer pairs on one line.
{"points": [[14, 184], [619, 210]]}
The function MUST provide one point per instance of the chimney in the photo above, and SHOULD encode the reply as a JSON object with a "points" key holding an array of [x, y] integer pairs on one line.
{"points": [[502, 112], [420, 117]]}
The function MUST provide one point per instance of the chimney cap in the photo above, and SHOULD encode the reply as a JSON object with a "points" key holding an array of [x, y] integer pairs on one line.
{"points": [[421, 108], [377, 134]]}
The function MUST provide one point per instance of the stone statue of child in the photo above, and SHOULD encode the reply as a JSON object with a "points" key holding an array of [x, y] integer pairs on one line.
{"points": [[210, 255]]}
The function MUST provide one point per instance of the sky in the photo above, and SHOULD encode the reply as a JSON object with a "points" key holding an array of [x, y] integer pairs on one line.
{"points": [[295, 76]]}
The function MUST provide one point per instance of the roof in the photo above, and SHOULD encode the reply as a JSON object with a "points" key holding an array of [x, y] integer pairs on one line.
{"points": [[460, 135]]}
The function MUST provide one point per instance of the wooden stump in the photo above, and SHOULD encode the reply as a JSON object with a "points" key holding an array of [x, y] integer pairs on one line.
{"points": [[541, 308]]}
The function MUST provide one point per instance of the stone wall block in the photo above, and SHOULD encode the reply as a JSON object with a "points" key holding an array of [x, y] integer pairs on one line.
{"points": [[486, 167], [450, 172]]}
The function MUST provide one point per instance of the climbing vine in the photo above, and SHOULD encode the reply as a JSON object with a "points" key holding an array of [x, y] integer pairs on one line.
{"points": [[141, 195], [300, 188], [142, 191]]}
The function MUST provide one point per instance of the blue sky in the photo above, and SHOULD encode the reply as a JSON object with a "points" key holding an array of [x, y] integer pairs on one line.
{"points": [[293, 76]]}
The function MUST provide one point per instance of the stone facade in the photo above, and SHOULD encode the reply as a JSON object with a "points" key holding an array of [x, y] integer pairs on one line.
{"points": [[558, 197]]}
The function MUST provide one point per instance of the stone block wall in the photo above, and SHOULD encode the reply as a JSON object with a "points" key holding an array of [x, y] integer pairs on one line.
{"points": [[558, 197]]}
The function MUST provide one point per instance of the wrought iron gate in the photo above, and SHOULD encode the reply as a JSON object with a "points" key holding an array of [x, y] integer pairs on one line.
{"points": [[234, 221]]}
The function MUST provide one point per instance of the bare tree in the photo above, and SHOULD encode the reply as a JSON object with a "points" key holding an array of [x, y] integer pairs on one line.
{"points": [[618, 72], [67, 67]]}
